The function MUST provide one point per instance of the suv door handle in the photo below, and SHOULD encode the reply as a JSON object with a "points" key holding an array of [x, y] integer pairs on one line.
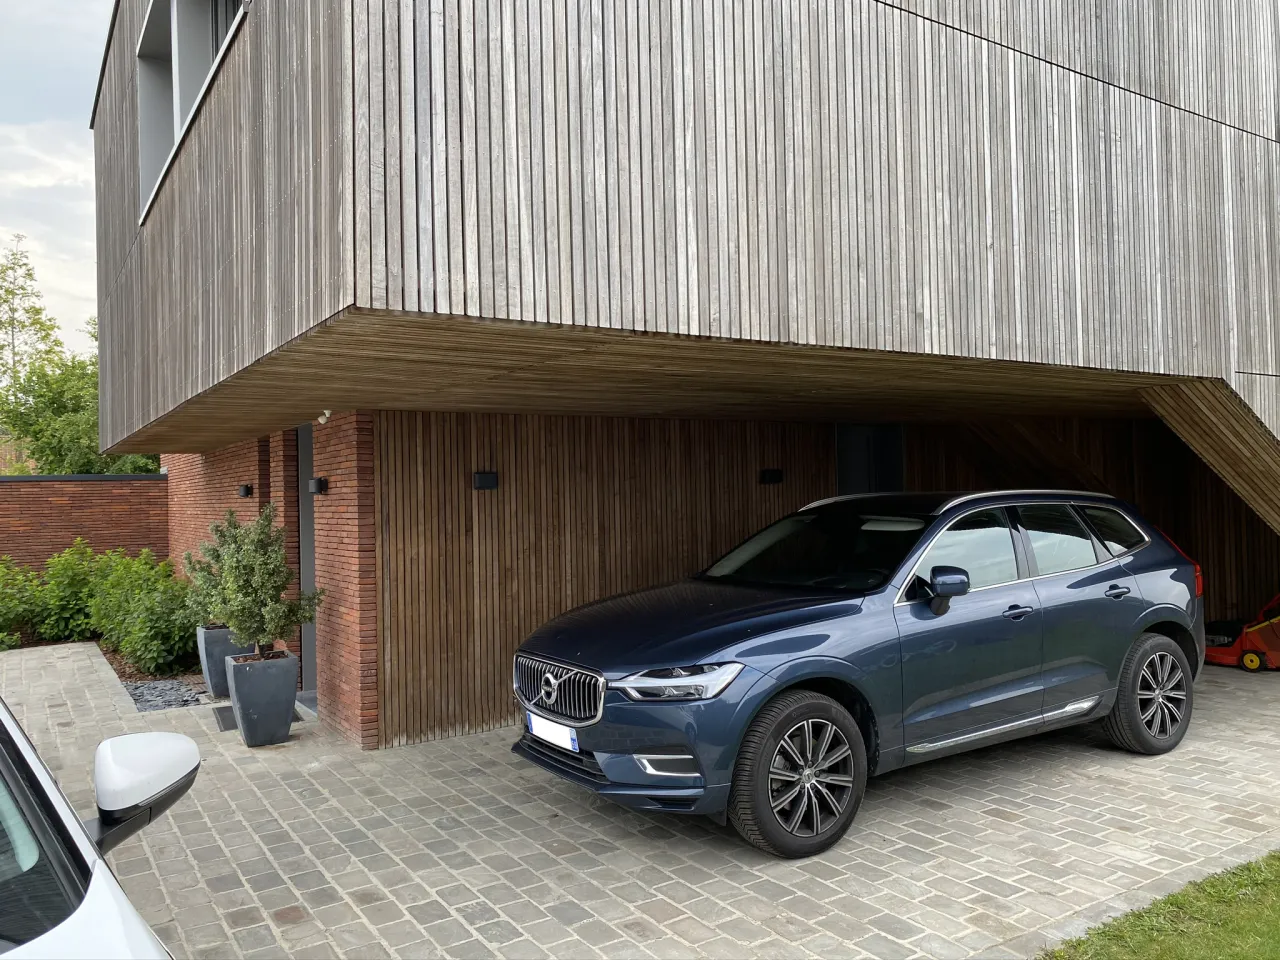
{"points": [[1115, 591], [1017, 613]]}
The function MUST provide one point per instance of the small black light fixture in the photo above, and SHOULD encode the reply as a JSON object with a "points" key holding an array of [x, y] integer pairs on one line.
{"points": [[770, 476], [318, 485], [484, 480], [245, 491]]}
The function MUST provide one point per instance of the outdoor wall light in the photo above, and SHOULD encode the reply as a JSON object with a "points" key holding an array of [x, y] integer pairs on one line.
{"points": [[484, 480], [245, 491], [318, 485], [770, 476]]}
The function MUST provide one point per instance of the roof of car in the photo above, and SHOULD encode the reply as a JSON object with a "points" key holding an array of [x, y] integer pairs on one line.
{"points": [[937, 503]]}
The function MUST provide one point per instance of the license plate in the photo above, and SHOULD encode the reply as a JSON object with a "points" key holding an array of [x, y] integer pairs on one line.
{"points": [[552, 732]]}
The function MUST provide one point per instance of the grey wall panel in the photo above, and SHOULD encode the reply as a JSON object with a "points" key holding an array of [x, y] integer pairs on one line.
{"points": [[1217, 58], [847, 174], [248, 242]]}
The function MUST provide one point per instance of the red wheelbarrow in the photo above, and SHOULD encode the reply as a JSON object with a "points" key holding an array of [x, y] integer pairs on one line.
{"points": [[1256, 647]]}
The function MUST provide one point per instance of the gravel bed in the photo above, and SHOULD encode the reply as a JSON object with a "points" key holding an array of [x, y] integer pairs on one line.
{"points": [[162, 694]]}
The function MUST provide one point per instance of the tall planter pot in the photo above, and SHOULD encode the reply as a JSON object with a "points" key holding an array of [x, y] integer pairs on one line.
{"points": [[216, 644], [262, 695]]}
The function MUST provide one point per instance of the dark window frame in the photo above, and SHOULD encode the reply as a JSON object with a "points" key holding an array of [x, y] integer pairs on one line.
{"points": [[1092, 528]]}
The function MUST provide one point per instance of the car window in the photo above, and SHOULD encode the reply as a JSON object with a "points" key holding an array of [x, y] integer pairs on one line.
{"points": [[1059, 540], [34, 894], [1117, 532], [981, 544], [844, 545]]}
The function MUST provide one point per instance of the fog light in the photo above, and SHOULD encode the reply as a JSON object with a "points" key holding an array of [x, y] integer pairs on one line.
{"points": [[668, 764]]}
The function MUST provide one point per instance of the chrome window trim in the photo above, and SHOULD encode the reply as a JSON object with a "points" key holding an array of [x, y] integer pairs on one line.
{"points": [[1039, 576], [563, 721]]}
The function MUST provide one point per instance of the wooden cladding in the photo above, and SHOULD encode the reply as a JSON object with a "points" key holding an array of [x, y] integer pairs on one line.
{"points": [[1141, 461], [584, 508]]}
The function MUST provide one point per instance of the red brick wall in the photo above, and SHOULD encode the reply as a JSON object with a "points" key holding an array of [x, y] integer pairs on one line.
{"points": [[41, 517], [203, 487], [346, 558], [283, 492]]}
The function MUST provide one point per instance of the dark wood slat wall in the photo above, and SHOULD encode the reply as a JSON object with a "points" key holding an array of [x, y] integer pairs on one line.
{"points": [[249, 240], [1174, 51], [585, 508], [1142, 461]]}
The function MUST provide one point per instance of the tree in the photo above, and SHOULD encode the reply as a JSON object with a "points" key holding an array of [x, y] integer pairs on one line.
{"points": [[53, 413], [27, 332]]}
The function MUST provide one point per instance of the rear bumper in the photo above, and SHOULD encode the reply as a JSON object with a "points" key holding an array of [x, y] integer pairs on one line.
{"points": [[690, 796]]}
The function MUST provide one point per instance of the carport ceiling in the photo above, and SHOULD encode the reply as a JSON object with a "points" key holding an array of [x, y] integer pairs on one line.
{"points": [[369, 360]]}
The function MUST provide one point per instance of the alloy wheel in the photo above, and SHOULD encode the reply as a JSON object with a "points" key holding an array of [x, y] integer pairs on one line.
{"points": [[811, 777], [1162, 695]]}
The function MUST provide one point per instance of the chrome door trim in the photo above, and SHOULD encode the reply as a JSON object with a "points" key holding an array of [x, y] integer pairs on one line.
{"points": [[1075, 708]]}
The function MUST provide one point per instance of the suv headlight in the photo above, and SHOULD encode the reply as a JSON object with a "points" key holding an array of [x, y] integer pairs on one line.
{"points": [[700, 682]]}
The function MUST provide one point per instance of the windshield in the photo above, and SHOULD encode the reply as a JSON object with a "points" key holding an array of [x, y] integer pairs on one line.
{"points": [[844, 545]]}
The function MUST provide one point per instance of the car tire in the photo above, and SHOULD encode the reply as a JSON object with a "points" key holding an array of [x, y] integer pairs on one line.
{"points": [[1154, 698], [773, 760]]}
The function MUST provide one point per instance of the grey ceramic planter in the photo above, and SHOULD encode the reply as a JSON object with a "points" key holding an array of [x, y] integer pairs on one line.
{"points": [[215, 646], [262, 695]]}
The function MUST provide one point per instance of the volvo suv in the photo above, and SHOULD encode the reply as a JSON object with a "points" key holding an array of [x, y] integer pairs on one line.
{"points": [[859, 635]]}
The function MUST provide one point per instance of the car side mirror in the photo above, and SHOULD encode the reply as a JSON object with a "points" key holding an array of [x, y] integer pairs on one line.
{"points": [[945, 583], [136, 778]]}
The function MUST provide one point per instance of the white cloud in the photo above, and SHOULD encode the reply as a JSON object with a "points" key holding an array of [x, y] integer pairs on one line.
{"points": [[46, 193]]}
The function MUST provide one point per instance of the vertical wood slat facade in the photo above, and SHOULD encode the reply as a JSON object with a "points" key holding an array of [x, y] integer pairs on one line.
{"points": [[844, 173], [248, 242], [1141, 461], [585, 508]]}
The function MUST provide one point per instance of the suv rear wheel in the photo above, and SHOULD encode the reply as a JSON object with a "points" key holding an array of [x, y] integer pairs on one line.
{"points": [[1153, 703], [800, 776]]}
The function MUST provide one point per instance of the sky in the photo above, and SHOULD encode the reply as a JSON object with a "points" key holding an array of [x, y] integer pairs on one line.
{"points": [[50, 52]]}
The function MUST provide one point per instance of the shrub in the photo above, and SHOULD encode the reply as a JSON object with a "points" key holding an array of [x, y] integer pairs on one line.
{"points": [[139, 608], [64, 595], [19, 602], [252, 577]]}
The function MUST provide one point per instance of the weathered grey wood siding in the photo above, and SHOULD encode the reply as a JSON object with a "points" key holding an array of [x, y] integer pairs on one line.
{"points": [[1217, 58], [249, 240], [842, 173], [1038, 182]]}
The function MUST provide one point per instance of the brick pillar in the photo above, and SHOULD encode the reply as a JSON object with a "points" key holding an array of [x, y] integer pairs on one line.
{"points": [[347, 624], [283, 492]]}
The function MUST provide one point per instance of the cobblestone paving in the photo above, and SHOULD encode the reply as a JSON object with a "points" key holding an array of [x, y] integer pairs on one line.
{"points": [[456, 849]]}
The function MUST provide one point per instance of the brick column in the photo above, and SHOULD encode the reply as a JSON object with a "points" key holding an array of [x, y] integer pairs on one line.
{"points": [[347, 625]]}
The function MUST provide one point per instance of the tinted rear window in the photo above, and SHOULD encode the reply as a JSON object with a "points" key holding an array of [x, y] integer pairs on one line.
{"points": [[1116, 531], [1059, 540]]}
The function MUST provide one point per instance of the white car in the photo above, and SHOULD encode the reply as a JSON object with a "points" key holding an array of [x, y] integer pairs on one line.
{"points": [[58, 897]]}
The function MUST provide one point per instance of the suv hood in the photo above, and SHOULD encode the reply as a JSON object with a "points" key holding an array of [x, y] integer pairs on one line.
{"points": [[678, 624]]}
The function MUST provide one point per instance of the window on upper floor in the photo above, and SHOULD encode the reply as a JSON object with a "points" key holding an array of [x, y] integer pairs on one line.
{"points": [[179, 48]]}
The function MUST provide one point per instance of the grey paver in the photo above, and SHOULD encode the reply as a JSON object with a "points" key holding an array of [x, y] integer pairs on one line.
{"points": [[455, 848]]}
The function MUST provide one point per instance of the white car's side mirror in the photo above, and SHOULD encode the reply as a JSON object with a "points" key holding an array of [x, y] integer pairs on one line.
{"points": [[137, 778]]}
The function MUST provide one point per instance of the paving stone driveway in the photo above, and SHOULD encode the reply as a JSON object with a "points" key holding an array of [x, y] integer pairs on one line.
{"points": [[455, 848]]}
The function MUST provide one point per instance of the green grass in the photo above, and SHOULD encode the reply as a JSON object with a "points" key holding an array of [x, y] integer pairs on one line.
{"points": [[1235, 914]]}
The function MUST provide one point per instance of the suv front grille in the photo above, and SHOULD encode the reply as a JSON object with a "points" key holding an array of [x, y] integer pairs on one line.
{"points": [[565, 693]]}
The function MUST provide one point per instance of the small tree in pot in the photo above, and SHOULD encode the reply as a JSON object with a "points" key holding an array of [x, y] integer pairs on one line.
{"points": [[214, 639], [253, 576]]}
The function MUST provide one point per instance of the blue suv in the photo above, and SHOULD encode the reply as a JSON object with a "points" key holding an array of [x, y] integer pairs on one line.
{"points": [[859, 635]]}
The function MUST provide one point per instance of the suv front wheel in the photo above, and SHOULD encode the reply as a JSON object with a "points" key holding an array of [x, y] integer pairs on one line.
{"points": [[800, 776], [1153, 701]]}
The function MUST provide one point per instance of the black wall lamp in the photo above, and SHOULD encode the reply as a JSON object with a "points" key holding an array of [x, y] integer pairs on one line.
{"points": [[245, 491], [484, 480], [770, 476], [318, 485]]}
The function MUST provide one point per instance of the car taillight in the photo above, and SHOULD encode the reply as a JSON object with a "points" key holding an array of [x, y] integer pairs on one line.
{"points": [[1199, 574]]}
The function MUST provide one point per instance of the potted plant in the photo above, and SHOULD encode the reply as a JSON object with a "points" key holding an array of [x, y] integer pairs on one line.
{"points": [[214, 640], [253, 576]]}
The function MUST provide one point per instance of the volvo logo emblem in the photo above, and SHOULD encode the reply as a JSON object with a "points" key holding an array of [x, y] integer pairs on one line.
{"points": [[550, 688]]}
